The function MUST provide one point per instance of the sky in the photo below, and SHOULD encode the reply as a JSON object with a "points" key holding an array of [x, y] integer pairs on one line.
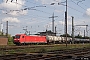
{"points": [[33, 15]]}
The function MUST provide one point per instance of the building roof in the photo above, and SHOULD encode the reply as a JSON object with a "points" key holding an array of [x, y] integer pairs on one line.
{"points": [[47, 33]]}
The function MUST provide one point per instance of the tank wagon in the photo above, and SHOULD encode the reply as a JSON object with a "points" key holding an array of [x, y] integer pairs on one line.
{"points": [[57, 39], [78, 40], [29, 39]]}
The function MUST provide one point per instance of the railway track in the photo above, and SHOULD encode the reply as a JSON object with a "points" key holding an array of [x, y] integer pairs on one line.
{"points": [[69, 54], [7, 47], [22, 47]]}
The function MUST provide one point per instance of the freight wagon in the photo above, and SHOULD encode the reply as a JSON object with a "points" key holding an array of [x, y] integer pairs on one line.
{"points": [[57, 39]]}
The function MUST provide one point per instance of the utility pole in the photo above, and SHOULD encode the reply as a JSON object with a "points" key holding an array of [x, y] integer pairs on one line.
{"points": [[72, 30], [86, 30], [53, 22], [84, 33], [66, 23], [7, 28], [55, 30], [1, 28]]}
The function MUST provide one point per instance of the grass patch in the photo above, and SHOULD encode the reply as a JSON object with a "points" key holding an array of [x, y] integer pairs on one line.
{"points": [[44, 49]]}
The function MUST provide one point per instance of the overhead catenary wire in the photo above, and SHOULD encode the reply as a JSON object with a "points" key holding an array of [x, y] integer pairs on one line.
{"points": [[26, 8], [80, 1], [63, 5], [29, 9], [36, 10], [45, 12], [42, 11], [78, 5], [11, 1], [69, 7]]}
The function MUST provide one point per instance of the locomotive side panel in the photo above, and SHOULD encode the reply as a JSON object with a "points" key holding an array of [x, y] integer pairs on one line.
{"points": [[24, 39], [35, 39]]}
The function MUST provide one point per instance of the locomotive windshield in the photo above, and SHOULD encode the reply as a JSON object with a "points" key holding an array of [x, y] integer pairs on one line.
{"points": [[17, 36]]}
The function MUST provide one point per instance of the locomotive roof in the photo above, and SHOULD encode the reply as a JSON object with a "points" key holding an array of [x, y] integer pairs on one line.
{"points": [[28, 35]]}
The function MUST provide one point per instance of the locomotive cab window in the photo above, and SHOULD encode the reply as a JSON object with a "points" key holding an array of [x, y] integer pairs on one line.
{"points": [[17, 36]]}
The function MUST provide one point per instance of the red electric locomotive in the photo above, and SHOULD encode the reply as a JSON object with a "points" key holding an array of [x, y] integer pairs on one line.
{"points": [[27, 39]]}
